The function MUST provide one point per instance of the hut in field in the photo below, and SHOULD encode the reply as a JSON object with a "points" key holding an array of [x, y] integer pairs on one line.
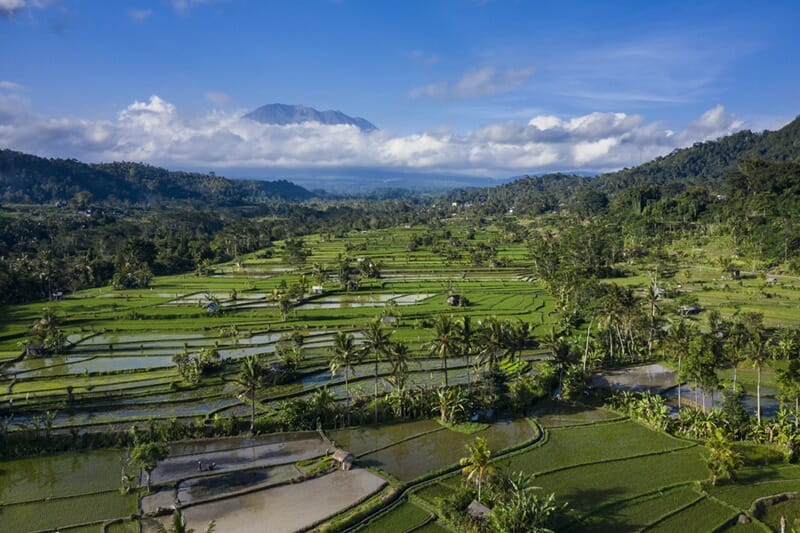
{"points": [[478, 511], [343, 458]]}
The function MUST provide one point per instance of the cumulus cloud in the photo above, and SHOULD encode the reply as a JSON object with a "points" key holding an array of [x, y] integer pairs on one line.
{"points": [[484, 81], [183, 5], [217, 98], [9, 8], [139, 15], [154, 131], [424, 58], [10, 85]]}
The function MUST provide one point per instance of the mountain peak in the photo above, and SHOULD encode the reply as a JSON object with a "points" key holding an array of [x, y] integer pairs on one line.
{"points": [[283, 114]]}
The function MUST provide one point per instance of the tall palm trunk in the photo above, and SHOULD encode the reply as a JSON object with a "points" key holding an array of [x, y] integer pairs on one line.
{"points": [[253, 411], [375, 397], [347, 398], [679, 381], [758, 393]]}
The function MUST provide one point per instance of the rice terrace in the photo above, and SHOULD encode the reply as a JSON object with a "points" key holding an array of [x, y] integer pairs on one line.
{"points": [[554, 286]]}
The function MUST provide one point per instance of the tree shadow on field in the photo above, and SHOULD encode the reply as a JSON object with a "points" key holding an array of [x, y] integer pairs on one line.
{"points": [[581, 502]]}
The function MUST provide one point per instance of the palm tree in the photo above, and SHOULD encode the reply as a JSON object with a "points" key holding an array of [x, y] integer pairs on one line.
{"points": [[562, 353], [444, 343], [493, 337], [519, 338], [398, 358], [250, 377], [478, 466], [758, 352], [466, 342], [678, 339], [376, 340], [345, 356], [652, 297]]}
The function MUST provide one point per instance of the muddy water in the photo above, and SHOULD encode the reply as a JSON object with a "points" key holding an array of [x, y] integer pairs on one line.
{"points": [[653, 378], [360, 440], [286, 508], [226, 461], [413, 458]]}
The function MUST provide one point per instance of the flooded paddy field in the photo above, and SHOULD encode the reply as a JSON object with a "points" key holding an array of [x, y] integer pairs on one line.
{"points": [[286, 508], [426, 451]]}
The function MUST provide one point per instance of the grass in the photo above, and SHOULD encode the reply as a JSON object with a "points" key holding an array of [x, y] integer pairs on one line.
{"points": [[790, 510], [53, 514], [145, 324], [400, 518], [756, 482], [588, 444], [587, 487], [59, 475], [704, 515], [640, 512], [467, 428]]}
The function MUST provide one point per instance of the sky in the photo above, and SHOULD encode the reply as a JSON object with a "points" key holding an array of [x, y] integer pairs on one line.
{"points": [[487, 88]]}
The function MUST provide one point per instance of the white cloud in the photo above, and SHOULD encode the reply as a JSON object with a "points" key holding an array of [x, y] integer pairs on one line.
{"points": [[475, 83], [424, 58], [183, 5], [217, 98], [11, 7], [139, 15], [154, 131], [10, 85]]}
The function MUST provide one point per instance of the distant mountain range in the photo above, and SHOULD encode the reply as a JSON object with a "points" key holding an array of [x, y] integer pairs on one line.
{"points": [[28, 178], [283, 114]]}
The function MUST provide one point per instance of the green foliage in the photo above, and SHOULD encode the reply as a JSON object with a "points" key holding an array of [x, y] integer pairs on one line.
{"points": [[519, 509], [147, 455], [723, 459]]}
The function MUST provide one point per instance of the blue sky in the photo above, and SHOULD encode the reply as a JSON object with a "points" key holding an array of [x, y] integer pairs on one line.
{"points": [[489, 88]]}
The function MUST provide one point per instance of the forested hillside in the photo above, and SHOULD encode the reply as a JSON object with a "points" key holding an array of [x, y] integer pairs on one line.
{"points": [[706, 165], [26, 178]]}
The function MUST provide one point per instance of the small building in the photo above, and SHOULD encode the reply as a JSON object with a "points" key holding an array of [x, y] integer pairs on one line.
{"points": [[34, 350], [689, 310], [344, 458], [316, 289], [57, 296], [456, 300], [478, 511]]}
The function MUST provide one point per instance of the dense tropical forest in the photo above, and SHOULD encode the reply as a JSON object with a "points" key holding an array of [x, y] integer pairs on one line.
{"points": [[627, 342]]}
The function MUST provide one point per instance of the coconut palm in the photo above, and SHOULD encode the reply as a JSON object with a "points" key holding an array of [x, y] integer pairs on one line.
{"points": [[758, 350], [466, 342], [398, 358], [493, 339], [444, 343], [376, 341], [477, 467], [677, 342], [251, 375], [519, 338], [344, 356]]}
